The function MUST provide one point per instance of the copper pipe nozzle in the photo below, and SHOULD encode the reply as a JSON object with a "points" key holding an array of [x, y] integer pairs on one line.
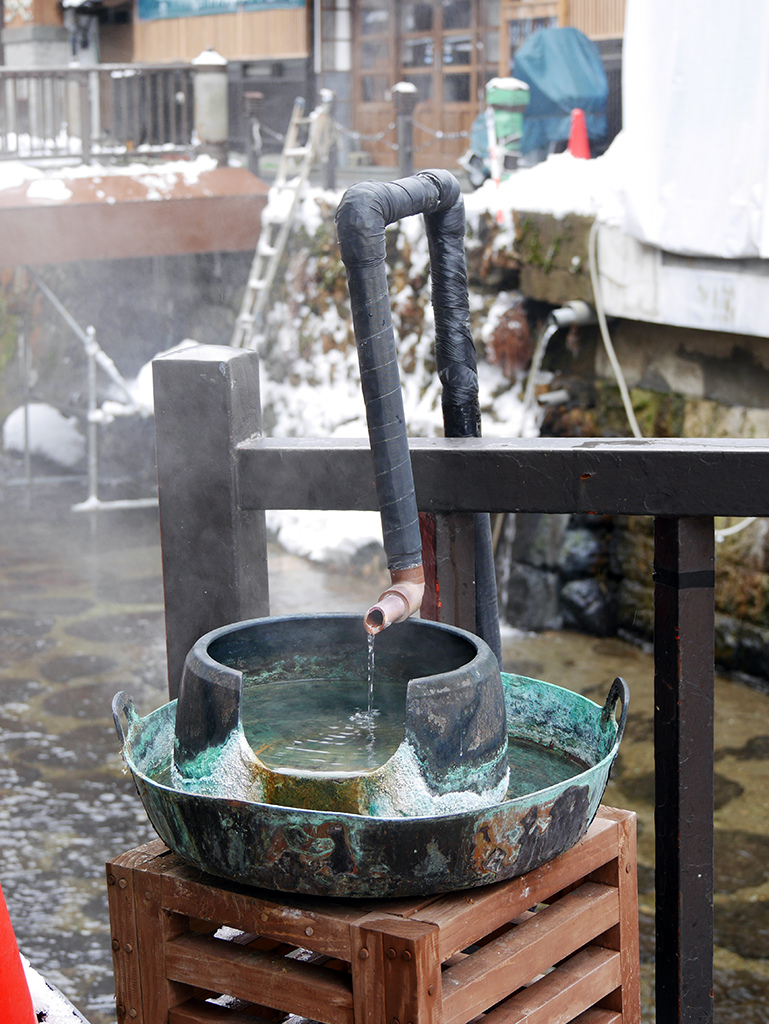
{"points": [[398, 602]]}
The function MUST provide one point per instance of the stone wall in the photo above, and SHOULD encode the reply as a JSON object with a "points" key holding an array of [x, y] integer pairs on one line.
{"points": [[594, 573]]}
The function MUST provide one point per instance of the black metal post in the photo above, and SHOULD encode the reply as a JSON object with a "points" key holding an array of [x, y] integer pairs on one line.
{"points": [[214, 551], [683, 742], [405, 99]]}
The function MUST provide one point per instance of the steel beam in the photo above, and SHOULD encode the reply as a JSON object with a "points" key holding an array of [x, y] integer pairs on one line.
{"points": [[684, 608]]}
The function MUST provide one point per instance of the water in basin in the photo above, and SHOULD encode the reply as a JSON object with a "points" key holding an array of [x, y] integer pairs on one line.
{"points": [[534, 766], [323, 724]]}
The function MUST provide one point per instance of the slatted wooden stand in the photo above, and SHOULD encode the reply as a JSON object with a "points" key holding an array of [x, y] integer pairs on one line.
{"points": [[556, 945]]}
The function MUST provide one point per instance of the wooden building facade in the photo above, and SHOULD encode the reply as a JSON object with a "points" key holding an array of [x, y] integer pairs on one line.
{"points": [[448, 49]]}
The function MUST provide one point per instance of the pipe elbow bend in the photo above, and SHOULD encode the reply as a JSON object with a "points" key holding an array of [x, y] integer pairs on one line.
{"points": [[398, 602]]}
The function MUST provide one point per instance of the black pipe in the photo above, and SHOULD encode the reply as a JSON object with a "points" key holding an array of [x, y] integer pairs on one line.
{"points": [[458, 373], [363, 214]]}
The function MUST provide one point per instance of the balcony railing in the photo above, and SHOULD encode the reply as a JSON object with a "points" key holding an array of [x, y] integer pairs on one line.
{"points": [[105, 112]]}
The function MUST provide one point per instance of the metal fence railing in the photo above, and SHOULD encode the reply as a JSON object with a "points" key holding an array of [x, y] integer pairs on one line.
{"points": [[108, 111]]}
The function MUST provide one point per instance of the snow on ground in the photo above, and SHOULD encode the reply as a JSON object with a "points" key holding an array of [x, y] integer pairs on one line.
{"points": [[560, 185], [49, 1004], [51, 434]]}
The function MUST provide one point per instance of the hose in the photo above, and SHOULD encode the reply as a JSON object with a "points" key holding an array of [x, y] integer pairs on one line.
{"points": [[362, 216], [604, 328]]}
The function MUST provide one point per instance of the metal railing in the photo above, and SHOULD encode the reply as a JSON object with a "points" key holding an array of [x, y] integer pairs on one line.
{"points": [[220, 490], [106, 111]]}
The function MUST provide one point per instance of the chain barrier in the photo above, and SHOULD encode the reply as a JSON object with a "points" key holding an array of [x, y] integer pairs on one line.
{"points": [[438, 134], [361, 136], [379, 136]]}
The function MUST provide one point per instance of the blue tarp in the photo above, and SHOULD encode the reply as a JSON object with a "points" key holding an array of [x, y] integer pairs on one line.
{"points": [[563, 70]]}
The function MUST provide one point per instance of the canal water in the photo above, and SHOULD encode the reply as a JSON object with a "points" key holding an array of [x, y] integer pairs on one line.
{"points": [[81, 618]]}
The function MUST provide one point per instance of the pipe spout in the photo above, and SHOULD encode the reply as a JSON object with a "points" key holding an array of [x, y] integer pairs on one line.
{"points": [[398, 602]]}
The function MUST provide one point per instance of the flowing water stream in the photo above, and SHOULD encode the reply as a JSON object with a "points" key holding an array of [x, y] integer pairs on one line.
{"points": [[81, 617]]}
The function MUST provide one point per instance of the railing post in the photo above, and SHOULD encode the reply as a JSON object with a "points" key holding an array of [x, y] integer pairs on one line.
{"points": [[448, 555], [683, 744], [405, 98], [214, 552], [85, 115]]}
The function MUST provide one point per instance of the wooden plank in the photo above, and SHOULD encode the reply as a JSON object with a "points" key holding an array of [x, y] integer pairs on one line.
{"points": [[509, 962], [307, 923], [455, 570], [574, 986], [396, 971], [598, 1016], [154, 929], [194, 1011], [407, 906], [124, 936], [622, 872], [655, 476], [465, 917], [279, 982], [368, 975], [140, 855]]}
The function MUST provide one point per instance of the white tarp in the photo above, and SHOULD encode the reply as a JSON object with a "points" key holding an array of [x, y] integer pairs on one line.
{"points": [[695, 143], [689, 172]]}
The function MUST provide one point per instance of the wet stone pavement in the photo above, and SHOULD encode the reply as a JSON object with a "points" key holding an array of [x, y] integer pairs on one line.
{"points": [[81, 618]]}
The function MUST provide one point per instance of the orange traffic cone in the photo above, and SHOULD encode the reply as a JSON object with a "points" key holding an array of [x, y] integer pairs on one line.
{"points": [[15, 1000], [578, 143]]}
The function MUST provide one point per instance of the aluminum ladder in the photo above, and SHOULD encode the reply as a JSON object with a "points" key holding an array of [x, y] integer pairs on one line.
{"points": [[296, 161]]}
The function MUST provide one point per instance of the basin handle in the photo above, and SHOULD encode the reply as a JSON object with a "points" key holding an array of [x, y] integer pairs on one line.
{"points": [[619, 690], [123, 710]]}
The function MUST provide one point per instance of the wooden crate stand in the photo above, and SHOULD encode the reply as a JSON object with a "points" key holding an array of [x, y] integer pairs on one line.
{"points": [[556, 945]]}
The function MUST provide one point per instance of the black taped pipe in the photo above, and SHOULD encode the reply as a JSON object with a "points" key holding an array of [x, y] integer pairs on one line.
{"points": [[363, 214], [458, 374]]}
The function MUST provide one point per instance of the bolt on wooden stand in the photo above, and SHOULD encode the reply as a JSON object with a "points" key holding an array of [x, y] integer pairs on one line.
{"points": [[558, 944]]}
